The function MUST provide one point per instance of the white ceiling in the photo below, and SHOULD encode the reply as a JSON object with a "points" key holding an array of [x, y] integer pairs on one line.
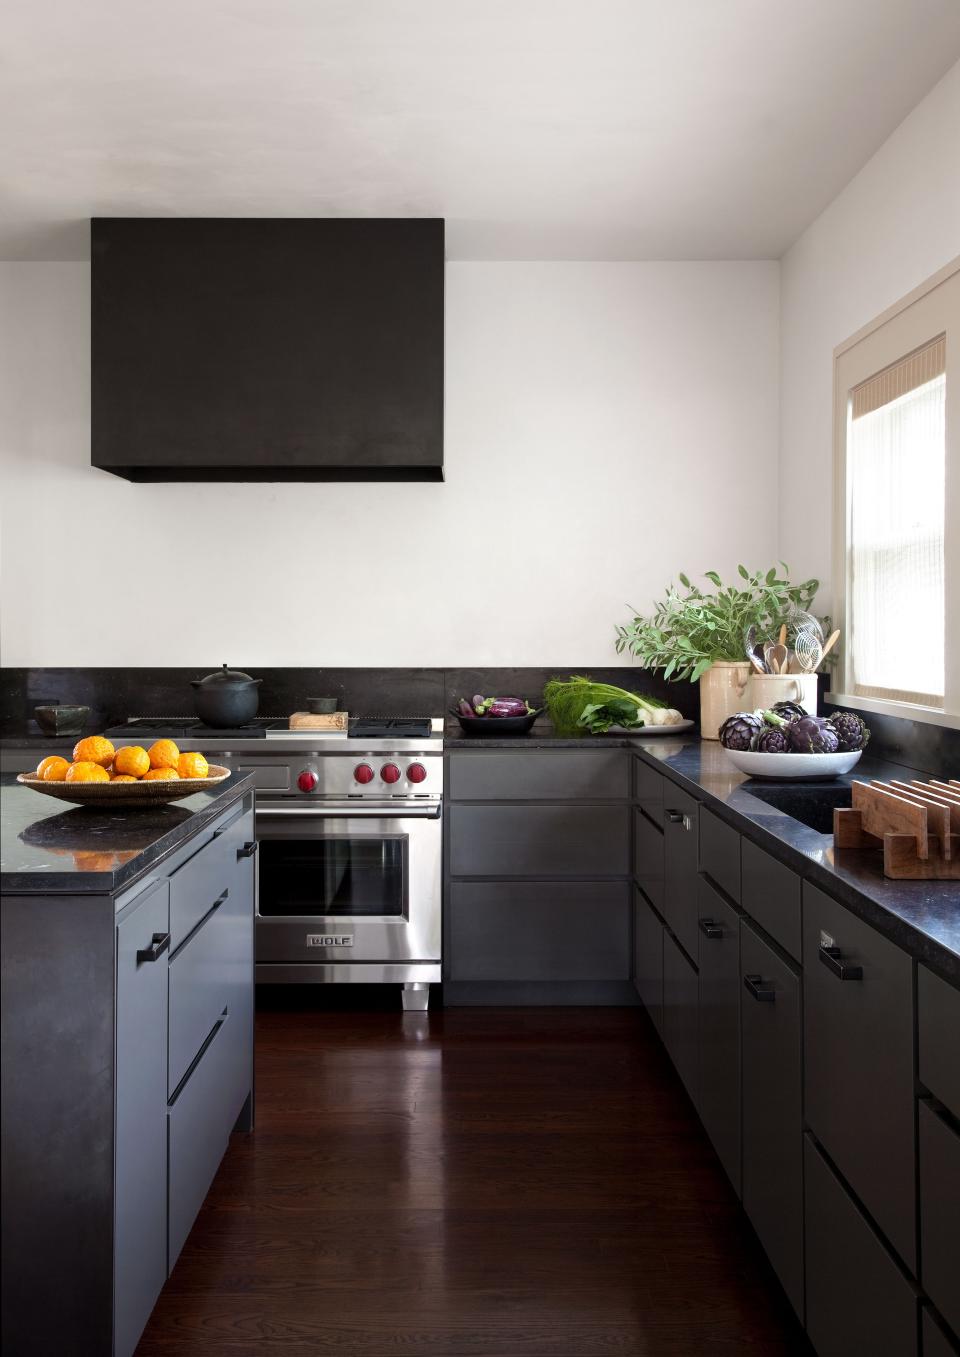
{"points": [[548, 129]]}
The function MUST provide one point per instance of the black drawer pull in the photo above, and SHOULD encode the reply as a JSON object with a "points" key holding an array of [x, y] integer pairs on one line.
{"points": [[160, 943], [677, 817], [710, 928], [248, 850], [830, 956], [754, 983]]}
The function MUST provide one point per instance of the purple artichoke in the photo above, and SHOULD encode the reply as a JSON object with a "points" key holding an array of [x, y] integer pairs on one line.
{"points": [[772, 741], [790, 710], [852, 731], [741, 730], [812, 735]]}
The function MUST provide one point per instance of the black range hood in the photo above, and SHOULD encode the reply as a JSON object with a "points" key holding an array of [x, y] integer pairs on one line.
{"points": [[262, 349]]}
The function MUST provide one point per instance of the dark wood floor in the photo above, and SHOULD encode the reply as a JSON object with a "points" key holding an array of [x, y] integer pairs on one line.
{"points": [[469, 1183]]}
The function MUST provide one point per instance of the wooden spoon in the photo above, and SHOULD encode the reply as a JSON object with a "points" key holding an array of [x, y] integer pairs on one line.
{"points": [[832, 640]]}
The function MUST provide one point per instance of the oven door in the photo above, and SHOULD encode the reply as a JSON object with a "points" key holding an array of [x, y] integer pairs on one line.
{"points": [[349, 882]]}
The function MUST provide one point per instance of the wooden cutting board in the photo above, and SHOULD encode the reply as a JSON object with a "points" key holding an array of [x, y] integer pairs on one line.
{"points": [[336, 721]]}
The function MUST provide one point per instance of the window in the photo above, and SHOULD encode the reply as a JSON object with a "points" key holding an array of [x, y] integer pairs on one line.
{"points": [[898, 507]]}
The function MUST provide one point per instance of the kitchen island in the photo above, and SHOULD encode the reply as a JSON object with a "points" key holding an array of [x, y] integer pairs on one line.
{"points": [[127, 1012]]}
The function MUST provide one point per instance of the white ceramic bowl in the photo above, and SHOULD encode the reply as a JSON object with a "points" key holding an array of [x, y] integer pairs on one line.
{"points": [[786, 767]]}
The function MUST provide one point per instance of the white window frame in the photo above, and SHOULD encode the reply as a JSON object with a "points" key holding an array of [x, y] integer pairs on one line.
{"points": [[932, 308]]}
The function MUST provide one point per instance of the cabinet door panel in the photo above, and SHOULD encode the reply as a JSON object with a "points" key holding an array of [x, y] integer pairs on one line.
{"points": [[518, 930], [770, 893], [719, 1027], [858, 1301], [772, 1181], [940, 1213], [858, 1067], [648, 786], [591, 841], [938, 1016], [935, 1341], [140, 1195], [202, 880], [680, 1013], [680, 845], [577, 775], [720, 853], [648, 857], [648, 957]]}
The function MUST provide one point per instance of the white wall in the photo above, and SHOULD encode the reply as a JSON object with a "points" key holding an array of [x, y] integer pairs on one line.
{"points": [[606, 426], [896, 223]]}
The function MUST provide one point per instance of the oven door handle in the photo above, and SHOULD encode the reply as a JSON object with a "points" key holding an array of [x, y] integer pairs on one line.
{"points": [[353, 812]]}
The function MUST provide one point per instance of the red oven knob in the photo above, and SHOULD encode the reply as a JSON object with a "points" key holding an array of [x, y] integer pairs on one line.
{"points": [[416, 772], [363, 773], [390, 772], [307, 781]]}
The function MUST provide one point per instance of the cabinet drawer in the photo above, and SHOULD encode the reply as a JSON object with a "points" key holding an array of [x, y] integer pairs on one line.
{"points": [[940, 1213], [209, 973], [772, 1181], [938, 1016], [719, 1027], [770, 893], [516, 930], [648, 789], [858, 1080], [680, 1001], [203, 878], [200, 1121], [648, 957], [562, 776], [858, 1301], [648, 857], [680, 854], [539, 840], [720, 853], [935, 1341]]}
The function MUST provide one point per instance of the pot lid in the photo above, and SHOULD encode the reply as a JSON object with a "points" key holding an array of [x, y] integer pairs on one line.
{"points": [[224, 676]]}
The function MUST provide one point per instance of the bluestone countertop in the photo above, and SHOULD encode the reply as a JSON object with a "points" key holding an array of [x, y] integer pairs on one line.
{"points": [[48, 846]]}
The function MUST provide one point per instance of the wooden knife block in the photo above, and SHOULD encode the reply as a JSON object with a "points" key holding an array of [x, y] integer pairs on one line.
{"points": [[917, 824]]}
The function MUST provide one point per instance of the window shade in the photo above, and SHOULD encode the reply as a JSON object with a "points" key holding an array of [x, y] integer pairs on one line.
{"points": [[916, 369]]}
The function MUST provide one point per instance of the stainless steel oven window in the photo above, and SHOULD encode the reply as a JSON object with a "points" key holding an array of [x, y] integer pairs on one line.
{"points": [[335, 876]]}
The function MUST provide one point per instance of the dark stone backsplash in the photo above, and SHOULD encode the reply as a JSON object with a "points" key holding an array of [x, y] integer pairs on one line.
{"points": [[115, 694]]}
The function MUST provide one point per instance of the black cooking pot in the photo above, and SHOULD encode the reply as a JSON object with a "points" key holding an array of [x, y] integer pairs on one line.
{"points": [[228, 698]]}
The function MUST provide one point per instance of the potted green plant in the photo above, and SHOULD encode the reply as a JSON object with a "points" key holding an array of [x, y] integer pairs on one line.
{"points": [[699, 636]]}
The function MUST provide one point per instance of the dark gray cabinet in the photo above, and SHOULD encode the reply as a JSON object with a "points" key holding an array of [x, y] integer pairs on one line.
{"points": [[858, 1068], [648, 790], [770, 893], [140, 1151], [648, 957], [680, 1004], [935, 1343], [681, 852], [772, 1181], [938, 1037], [719, 1026], [648, 857], [720, 853], [858, 1300], [940, 1212], [540, 775], [539, 841]]}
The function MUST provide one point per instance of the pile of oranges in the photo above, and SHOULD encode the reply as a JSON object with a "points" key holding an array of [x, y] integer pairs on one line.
{"points": [[96, 760]]}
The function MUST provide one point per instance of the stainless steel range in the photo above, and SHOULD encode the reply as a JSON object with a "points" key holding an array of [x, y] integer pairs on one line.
{"points": [[350, 835]]}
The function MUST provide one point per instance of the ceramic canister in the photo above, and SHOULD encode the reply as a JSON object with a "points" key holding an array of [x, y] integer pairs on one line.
{"points": [[766, 689]]}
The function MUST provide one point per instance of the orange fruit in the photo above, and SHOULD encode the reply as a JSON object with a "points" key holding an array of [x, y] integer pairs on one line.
{"points": [[93, 749], [192, 765], [161, 774], [85, 771], [122, 777], [163, 754], [87, 861], [133, 759], [53, 768]]}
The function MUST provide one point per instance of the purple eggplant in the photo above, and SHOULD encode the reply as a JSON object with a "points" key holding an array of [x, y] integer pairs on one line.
{"points": [[464, 708], [508, 706]]}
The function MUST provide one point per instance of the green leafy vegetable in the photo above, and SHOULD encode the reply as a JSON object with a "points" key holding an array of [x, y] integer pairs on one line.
{"points": [[578, 704]]}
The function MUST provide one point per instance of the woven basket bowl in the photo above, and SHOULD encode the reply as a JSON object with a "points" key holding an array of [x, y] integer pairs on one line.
{"points": [[106, 795]]}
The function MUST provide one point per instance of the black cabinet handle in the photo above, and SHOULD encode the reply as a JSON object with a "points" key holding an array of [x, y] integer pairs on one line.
{"points": [[830, 956], [710, 928], [677, 817], [160, 943], [754, 983], [248, 850]]}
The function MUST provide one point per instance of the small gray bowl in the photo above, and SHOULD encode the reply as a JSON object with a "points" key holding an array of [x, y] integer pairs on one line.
{"points": [[62, 719], [322, 706]]}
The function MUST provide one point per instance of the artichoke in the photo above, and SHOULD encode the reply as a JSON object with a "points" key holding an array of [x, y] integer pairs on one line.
{"points": [[790, 710], [812, 735], [740, 730], [773, 741], [852, 731]]}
